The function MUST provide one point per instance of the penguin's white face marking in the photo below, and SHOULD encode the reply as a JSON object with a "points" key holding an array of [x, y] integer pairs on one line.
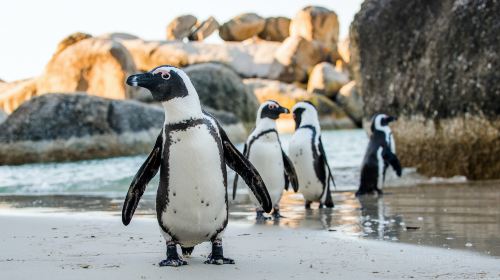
{"points": [[304, 113], [270, 109], [381, 123]]}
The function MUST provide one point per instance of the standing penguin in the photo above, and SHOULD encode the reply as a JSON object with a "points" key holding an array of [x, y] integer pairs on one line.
{"points": [[309, 157], [381, 153], [263, 149], [191, 153]]}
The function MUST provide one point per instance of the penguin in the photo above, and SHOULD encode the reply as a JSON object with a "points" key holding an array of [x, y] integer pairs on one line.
{"points": [[191, 154], [263, 149], [309, 158], [381, 153]]}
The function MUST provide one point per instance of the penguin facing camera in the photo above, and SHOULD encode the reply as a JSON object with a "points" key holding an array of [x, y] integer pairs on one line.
{"points": [[309, 158], [191, 154], [263, 149]]}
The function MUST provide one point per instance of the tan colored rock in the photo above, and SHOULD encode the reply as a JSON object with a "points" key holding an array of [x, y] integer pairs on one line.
{"points": [[205, 29], [295, 59], [316, 24], [242, 27], [351, 102], [180, 27], [326, 79], [275, 29], [246, 58], [13, 94], [97, 66], [71, 39]]}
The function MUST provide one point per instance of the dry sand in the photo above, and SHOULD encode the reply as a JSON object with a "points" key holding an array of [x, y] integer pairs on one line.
{"points": [[98, 246]]}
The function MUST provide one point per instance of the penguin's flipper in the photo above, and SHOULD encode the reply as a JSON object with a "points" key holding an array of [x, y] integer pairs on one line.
{"points": [[147, 171], [235, 181], [290, 174], [392, 159], [237, 162], [329, 170]]}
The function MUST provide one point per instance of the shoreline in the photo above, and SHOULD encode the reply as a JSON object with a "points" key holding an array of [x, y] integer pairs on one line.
{"points": [[79, 246]]}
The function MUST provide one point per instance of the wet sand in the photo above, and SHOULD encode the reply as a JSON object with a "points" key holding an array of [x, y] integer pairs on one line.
{"points": [[97, 246]]}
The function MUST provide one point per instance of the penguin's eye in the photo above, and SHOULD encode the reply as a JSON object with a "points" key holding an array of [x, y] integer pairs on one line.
{"points": [[165, 75], [272, 106]]}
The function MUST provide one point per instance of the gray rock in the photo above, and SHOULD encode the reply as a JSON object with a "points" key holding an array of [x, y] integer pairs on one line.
{"points": [[221, 88], [180, 27], [67, 127], [435, 65], [351, 102]]}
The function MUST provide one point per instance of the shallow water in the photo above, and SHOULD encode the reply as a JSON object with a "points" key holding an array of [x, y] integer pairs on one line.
{"points": [[415, 209]]}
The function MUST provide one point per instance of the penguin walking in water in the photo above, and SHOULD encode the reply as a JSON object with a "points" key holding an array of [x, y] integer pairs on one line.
{"points": [[263, 149], [381, 153], [309, 158], [191, 153]]}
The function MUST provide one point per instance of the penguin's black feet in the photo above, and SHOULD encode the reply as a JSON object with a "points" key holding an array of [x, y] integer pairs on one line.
{"points": [[173, 262], [187, 251], [308, 204], [217, 255], [260, 216], [173, 258], [329, 204], [277, 214], [379, 192]]}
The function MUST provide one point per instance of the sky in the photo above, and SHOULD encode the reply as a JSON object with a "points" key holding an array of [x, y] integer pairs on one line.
{"points": [[31, 29]]}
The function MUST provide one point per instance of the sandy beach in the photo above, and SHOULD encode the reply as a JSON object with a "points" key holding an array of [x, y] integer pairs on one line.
{"points": [[98, 246]]}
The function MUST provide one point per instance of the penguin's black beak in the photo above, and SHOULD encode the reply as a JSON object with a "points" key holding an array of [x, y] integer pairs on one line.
{"points": [[144, 80], [283, 110], [391, 119]]}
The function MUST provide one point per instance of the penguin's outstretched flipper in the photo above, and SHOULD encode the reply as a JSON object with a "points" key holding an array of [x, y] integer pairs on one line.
{"points": [[290, 174], [147, 171], [235, 181], [392, 159], [241, 165]]}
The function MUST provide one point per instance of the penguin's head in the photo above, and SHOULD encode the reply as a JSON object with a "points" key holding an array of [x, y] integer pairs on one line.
{"points": [[164, 82], [381, 122], [305, 113], [271, 109]]}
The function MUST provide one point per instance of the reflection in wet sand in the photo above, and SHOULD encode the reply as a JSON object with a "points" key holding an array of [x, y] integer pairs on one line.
{"points": [[460, 216]]}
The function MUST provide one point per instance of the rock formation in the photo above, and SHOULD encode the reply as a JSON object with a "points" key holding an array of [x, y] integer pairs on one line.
{"points": [[205, 29], [435, 65], [180, 27], [275, 29]]}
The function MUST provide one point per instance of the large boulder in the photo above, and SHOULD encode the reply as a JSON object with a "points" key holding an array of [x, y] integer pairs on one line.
{"points": [[275, 29], [317, 24], [295, 59], [205, 29], [71, 40], [326, 79], [242, 27], [67, 127], [94, 65], [180, 27], [435, 65], [220, 88]]}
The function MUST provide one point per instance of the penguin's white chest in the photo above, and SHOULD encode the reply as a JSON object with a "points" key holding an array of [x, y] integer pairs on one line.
{"points": [[196, 207], [265, 155], [301, 155]]}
